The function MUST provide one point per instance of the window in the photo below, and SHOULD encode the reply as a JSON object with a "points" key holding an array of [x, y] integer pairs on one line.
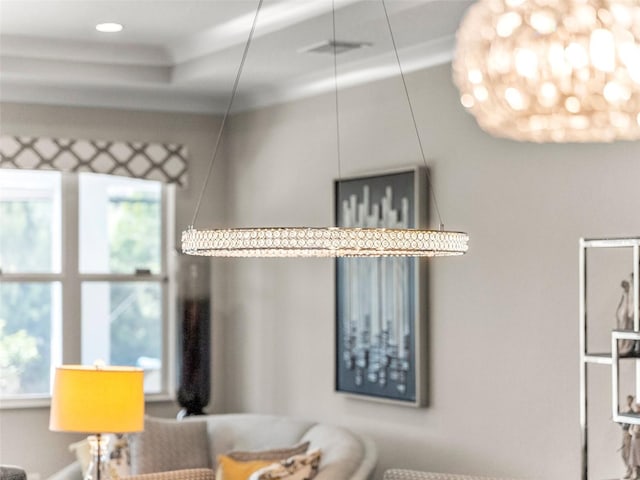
{"points": [[83, 282], [30, 299]]}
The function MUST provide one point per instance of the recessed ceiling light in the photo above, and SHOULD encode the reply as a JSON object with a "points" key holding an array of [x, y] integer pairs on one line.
{"points": [[109, 27]]}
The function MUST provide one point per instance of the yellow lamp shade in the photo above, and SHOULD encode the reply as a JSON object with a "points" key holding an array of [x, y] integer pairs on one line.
{"points": [[97, 399]]}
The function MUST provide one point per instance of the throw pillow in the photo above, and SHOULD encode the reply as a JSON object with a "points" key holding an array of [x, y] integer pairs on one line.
{"points": [[230, 469], [169, 445], [298, 467], [83, 454], [119, 457], [273, 455]]}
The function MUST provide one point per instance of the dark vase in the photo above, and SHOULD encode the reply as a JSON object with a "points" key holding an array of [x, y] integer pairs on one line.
{"points": [[194, 334]]}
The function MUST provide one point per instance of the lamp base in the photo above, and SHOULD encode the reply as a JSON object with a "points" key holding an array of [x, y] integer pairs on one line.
{"points": [[99, 464]]}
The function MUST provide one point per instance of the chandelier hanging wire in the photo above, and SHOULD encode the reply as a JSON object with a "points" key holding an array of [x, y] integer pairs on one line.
{"points": [[320, 241]]}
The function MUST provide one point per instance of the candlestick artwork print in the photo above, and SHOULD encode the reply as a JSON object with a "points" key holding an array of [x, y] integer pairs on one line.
{"points": [[375, 296]]}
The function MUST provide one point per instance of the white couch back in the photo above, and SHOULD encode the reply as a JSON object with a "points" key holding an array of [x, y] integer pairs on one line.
{"points": [[345, 455]]}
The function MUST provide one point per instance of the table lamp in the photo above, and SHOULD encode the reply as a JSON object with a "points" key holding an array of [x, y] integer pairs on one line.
{"points": [[97, 400]]}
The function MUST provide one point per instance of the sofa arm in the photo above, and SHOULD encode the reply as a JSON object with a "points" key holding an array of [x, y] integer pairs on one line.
{"points": [[369, 460], [186, 474], [345, 456], [72, 471]]}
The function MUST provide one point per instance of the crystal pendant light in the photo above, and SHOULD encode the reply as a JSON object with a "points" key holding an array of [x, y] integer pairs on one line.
{"points": [[319, 241], [552, 71]]}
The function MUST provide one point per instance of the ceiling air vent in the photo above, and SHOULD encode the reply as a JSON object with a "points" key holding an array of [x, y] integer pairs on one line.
{"points": [[328, 47]]}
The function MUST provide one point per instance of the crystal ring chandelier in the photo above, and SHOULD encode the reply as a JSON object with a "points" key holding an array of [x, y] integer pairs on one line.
{"points": [[561, 71], [318, 241], [322, 242]]}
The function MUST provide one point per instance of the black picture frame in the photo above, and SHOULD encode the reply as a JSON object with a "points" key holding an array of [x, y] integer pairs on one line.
{"points": [[381, 302]]}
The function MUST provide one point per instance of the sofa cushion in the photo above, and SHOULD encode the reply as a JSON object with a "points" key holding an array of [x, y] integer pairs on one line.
{"points": [[273, 455], [169, 445]]}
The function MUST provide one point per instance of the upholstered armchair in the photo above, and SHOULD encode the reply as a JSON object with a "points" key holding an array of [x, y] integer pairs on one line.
{"points": [[9, 472], [187, 474], [399, 474]]}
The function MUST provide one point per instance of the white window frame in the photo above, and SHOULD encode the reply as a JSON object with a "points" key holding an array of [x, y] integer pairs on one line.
{"points": [[66, 334]]}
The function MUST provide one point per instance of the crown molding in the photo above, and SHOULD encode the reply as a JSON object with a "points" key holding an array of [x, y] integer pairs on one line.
{"points": [[129, 99], [158, 88], [85, 51]]}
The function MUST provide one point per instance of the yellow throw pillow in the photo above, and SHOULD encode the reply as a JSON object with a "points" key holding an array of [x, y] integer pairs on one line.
{"points": [[230, 469]]}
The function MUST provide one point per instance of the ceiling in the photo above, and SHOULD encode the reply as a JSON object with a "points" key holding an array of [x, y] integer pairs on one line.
{"points": [[183, 55]]}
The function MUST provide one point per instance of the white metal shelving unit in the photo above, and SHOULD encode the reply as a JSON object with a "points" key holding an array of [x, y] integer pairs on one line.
{"points": [[613, 358]]}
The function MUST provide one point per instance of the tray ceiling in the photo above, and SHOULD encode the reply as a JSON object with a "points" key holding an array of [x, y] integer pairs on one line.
{"points": [[182, 55]]}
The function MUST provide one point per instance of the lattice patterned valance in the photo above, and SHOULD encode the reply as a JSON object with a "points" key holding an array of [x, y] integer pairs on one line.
{"points": [[164, 162]]}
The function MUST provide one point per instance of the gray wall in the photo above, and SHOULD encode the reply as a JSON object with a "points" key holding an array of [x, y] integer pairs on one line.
{"points": [[503, 319], [24, 436], [503, 346]]}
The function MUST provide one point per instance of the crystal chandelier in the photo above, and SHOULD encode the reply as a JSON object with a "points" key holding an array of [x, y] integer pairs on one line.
{"points": [[322, 242], [319, 241], [552, 71]]}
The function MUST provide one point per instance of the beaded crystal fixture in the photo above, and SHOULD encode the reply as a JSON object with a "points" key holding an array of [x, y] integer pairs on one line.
{"points": [[319, 241], [322, 242], [552, 71]]}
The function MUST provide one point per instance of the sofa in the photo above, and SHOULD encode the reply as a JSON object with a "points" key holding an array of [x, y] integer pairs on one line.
{"points": [[196, 442]]}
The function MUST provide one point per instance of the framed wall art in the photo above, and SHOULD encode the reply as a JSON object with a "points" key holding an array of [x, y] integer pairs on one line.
{"points": [[381, 302]]}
